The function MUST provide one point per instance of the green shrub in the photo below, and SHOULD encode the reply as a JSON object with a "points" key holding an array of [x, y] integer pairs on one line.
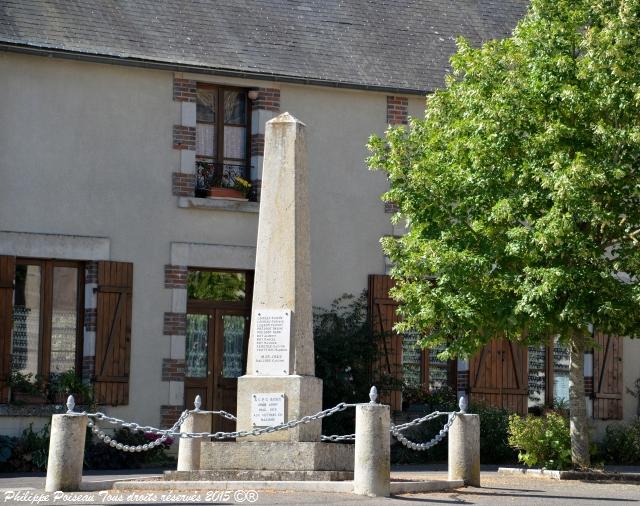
{"points": [[621, 444], [29, 452], [99, 455], [345, 349], [494, 434], [542, 441]]}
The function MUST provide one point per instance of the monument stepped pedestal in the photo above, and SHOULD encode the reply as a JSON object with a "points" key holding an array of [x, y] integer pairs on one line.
{"points": [[257, 460]]}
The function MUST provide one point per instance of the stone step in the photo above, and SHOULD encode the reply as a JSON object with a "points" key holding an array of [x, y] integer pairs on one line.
{"points": [[257, 475]]}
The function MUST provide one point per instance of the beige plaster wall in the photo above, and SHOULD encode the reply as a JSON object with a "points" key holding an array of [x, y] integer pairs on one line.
{"points": [[347, 217], [85, 149]]}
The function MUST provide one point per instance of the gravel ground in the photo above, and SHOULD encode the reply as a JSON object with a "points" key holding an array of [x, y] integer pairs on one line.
{"points": [[496, 490]]}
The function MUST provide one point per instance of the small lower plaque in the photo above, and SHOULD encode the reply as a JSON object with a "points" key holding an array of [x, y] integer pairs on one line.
{"points": [[267, 410]]}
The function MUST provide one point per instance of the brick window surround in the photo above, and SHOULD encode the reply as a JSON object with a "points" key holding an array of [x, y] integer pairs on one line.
{"points": [[184, 90], [183, 184], [268, 100], [397, 110], [175, 324], [184, 137], [175, 276], [173, 369]]}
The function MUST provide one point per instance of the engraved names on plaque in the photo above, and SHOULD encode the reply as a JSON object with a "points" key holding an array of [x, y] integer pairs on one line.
{"points": [[267, 410], [272, 338]]}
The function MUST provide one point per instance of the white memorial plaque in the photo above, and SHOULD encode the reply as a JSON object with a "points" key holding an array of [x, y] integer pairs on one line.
{"points": [[267, 410], [272, 338]]}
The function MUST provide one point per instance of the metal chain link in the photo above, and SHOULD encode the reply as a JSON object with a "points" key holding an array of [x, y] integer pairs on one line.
{"points": [[134, 427], [335, 437], [396, 430], [224, 414], [418, 421], [266, 430], [425, 446], [174, 430]]}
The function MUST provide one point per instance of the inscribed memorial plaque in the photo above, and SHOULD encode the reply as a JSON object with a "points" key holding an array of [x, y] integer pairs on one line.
{"points": [[267, 410], [272, 339]]}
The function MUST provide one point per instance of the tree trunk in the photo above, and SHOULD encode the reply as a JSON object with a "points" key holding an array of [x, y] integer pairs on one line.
{"points": [[577, 405]]}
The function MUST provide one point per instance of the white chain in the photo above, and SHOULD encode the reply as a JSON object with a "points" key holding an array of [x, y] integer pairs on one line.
{"points": [[396, 430], [224, 414], [335, 437], [174, 430], [265, 430], [423, 446]]}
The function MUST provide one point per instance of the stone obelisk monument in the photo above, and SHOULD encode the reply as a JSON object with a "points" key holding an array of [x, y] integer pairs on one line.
{"points": [[279, 385], [280, 358]]}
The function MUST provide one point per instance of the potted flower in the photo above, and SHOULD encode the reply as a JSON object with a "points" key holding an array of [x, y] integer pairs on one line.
{"points": [[236, 188], [62, 385], [26, 389]]}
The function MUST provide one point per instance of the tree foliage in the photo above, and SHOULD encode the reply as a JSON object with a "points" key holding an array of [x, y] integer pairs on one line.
{"points": [[213, 285], [520, 186]]}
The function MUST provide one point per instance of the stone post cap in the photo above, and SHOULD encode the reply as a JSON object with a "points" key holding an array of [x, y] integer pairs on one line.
{"points": [[285, 117]]}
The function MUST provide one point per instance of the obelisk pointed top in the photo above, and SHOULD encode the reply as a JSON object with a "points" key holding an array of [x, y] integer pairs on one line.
{"points": [[285, 117]]}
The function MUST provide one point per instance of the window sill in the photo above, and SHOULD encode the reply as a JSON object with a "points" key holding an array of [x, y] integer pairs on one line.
{"points": [[218, 204], [34, 409]]}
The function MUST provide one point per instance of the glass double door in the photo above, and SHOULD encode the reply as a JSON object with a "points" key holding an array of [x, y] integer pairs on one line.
{"points": [[216, 355]]}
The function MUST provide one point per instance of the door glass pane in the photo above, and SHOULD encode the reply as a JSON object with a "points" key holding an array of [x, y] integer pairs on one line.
{"points": [[234, 142], [411, 360], [234, 108], [233, 329], [196, 354], [25, 335], [537, 376], [64, 319], [211, 285], [561, 366]]}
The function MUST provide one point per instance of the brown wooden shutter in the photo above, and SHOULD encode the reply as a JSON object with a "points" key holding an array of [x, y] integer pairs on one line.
{"points": [[7, 277], [607, 377], [498, 376], [382, 310], [113, 332]]}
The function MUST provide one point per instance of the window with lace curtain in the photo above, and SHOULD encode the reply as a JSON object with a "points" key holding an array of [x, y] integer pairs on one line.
{"points": [[46, 335], [222, 138]]}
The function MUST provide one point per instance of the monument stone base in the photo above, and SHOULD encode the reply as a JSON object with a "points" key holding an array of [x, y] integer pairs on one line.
{"points": [[255, 475], [276, 456], [303, 396]]}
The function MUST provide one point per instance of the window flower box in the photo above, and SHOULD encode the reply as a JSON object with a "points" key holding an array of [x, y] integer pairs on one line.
{"points": [[226, 193]]}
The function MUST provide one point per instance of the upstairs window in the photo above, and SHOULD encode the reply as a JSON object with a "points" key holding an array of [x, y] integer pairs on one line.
{"points": [[222, 138]]}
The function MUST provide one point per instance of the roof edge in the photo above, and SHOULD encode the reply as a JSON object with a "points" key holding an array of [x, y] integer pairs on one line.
{"points": [[196, 69]]}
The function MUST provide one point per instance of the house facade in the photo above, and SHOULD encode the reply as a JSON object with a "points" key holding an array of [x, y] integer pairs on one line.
{"points": [[127, 233]]}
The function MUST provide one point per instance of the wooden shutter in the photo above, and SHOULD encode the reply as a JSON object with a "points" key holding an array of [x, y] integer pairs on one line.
{"points": [[7, 276], [498, 376], [382, 310], [607, 377], [113, 332]]}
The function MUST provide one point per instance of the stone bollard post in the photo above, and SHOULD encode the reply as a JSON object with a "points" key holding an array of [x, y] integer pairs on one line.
{"points": [[372, 450], [464, 449], [66, 451], [189, 448]]}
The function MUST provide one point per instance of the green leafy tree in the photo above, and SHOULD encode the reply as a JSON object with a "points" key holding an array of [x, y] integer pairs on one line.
{"points": [[521, 190], [207, 285]]}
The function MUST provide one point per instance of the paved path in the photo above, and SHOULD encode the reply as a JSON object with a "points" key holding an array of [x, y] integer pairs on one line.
{"points": [[497, 490]]}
